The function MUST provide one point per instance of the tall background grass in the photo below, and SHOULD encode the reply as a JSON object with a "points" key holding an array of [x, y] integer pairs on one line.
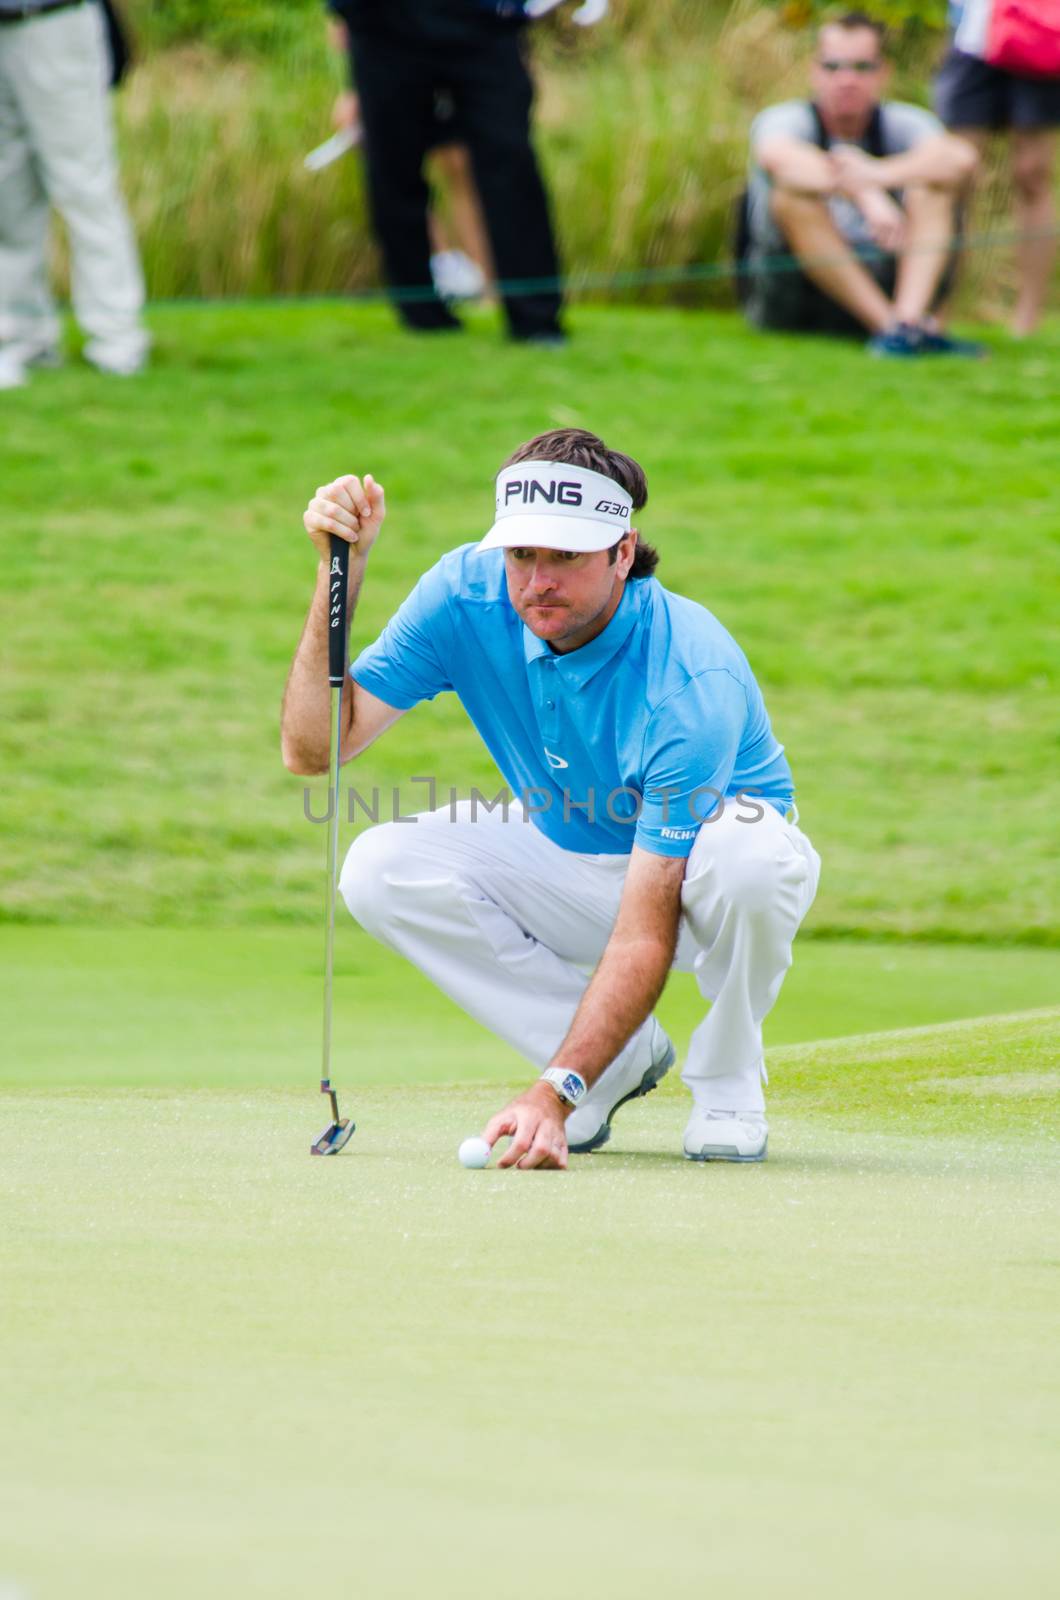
{"points": [[642, 127]]}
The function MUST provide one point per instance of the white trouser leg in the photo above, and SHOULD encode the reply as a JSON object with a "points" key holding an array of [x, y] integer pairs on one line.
{"points": [[510, 926], [505, 922], [27, 312], [58, 66], [748, 886]]}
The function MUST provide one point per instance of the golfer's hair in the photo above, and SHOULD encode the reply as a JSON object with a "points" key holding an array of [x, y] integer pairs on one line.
{"points": [[851, 21], [580, 448]]}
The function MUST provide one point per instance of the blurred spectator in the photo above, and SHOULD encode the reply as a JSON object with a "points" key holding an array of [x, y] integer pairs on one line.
{"points": [[460, 259], [57, 148], [404, 55], [863, 192], [976, 96]]}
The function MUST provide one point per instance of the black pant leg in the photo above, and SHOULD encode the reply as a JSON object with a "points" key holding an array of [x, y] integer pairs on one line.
{"points": [[395, 81], [493, 94]]}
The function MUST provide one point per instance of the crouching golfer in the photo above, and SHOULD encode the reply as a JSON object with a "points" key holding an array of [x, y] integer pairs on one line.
{"points": [[650, 827]]}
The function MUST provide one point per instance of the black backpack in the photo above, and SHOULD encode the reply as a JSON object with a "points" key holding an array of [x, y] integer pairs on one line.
{"points": [[741, 219]]}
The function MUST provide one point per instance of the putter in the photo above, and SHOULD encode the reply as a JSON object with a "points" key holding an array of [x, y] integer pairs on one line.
{"points": [[340, 1130]]}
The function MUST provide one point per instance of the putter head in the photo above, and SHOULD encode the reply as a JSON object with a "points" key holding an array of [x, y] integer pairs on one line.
{"points": [[335, 1136]]}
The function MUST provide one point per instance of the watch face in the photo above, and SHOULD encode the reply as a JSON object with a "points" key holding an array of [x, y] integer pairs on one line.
{"points": [[573, 1087]]}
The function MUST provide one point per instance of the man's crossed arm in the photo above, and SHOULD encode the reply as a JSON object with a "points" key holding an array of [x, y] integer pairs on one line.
{"points": [[621, 995], [942, 161]]}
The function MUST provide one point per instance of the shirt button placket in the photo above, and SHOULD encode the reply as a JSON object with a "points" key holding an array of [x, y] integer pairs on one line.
{"points": [[551, 711]]}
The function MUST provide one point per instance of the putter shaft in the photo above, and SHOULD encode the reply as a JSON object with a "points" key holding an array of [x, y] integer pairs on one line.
{"points": [[333, 868]]}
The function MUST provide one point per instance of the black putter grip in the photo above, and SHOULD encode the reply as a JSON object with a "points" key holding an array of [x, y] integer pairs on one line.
{"points": [[338, 576]]}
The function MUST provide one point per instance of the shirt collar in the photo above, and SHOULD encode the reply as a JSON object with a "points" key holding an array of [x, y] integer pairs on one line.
{"points": [[579, 666]]}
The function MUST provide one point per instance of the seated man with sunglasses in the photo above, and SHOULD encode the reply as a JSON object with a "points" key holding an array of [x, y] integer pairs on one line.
{"points": [[863, 193]]}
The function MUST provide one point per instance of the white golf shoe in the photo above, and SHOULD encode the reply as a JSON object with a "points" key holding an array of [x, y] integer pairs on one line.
{"points": [[12, 369], [726, 1136], [118, 358], [589, 1126], [17, 356]]}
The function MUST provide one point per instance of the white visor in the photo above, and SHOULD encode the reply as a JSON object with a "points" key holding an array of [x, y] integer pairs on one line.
{"points": [[558, 507]]}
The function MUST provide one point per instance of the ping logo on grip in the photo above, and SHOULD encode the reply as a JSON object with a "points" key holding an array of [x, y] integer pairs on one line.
{"points": [[336, 591]]}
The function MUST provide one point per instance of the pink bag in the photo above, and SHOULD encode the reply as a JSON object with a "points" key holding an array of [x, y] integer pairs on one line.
{"points": [[1021, 36]]}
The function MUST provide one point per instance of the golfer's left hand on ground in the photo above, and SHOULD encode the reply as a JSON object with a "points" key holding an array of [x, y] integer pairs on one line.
{"points": [[537, 1128], [348, 507]]}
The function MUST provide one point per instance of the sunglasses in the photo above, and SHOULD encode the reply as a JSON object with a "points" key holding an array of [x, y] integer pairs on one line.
{"points": [[860, 67]]}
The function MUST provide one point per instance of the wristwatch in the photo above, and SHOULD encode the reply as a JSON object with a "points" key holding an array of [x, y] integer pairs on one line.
{"points": [[570, 1086]]}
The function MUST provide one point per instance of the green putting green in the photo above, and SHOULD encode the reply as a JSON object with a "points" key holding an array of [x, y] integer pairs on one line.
{"points": [[230, 1369], [98, 1007]]}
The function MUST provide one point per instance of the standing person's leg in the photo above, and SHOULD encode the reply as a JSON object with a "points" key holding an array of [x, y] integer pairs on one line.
{"points": [[494, 95], [1033, 155], [505, 922], [63, 72], [28, 323], [748, 887], [395, 83], [973, 98]]}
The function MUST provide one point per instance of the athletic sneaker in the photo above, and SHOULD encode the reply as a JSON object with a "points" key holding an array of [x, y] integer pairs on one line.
{"points": [[726, 1136], [907, 339], [456, 276], [589, 1126], [937, 343]]}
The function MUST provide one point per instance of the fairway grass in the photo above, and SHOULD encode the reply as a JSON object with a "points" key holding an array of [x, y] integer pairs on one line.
{"points": [[879, 537], [231, 1370]]}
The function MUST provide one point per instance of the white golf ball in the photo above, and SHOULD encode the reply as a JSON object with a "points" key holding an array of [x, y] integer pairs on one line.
{"points": [[474, 1153]]}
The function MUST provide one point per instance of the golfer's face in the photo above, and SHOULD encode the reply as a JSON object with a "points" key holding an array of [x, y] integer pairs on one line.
{"points": [[558, 592]]}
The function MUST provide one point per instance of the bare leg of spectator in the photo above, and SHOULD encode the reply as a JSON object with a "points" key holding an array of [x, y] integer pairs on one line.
{"points": [[827, 260], [452, 164], [1033, 150], [929, 237]]}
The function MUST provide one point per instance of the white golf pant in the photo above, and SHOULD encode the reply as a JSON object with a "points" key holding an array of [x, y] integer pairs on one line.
{"points": [[510, 926], [57, 147]]}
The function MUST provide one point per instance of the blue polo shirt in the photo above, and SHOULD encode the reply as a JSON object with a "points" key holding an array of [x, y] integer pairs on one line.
{"points": [[629, 740]]}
